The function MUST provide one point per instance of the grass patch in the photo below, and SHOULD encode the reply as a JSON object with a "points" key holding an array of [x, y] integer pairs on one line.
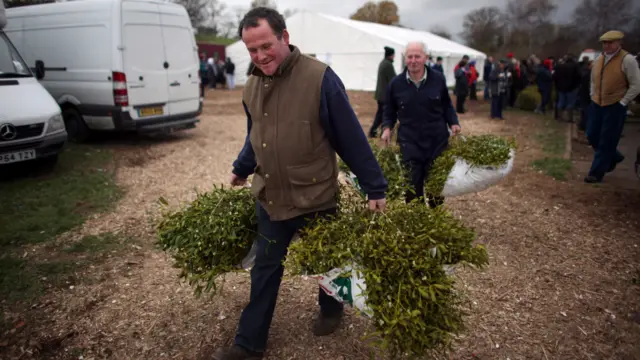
{"points": [[27, 279], [555, 167], [95, 244], [212, 39], [21, 280], [552, 139], [36, 209]]}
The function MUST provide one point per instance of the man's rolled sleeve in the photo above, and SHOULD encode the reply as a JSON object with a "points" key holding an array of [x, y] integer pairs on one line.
{"points": [[347, 137], [245, 164]]}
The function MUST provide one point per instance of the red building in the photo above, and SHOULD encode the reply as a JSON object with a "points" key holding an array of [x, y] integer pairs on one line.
{"points": [[212, 50]]}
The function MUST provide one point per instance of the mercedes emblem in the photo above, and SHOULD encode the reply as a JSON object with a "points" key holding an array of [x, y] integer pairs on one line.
{"points": [[8, 132]]}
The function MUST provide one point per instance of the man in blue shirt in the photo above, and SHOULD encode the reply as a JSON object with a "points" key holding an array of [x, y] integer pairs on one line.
{"points": [[419, 100], [298, 119], [438, 65]]}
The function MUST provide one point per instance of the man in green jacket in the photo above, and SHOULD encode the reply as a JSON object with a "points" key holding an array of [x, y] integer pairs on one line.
{"points": [[386, 72]]}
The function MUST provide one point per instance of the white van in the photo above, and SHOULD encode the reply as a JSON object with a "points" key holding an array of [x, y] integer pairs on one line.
{"points": [[589, 54], [31, 126], [114, 64]]}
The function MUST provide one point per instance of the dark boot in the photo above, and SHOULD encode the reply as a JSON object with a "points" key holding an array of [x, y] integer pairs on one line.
{"points": [[236, 353], [326, 325], [615, 163], [592, 180]]}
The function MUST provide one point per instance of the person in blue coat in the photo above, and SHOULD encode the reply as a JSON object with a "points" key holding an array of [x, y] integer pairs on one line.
{"points": [[438, 65], [419, 100], [544, 80]]}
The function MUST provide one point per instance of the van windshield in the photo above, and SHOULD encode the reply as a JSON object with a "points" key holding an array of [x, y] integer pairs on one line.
{"points": [[11, 64]]}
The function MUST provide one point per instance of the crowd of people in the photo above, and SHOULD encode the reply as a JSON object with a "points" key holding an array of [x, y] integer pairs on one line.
{"points": [[598, 95], [214, 72]]}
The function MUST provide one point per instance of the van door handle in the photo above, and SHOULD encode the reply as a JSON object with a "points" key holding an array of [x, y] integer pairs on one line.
{"points": [[175, 83]]}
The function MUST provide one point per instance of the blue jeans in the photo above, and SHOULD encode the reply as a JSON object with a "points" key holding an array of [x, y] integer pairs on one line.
{"points": [[567, 100], [496, 106], [273, 240], [545, 97], [604, 128], [486, 90]]}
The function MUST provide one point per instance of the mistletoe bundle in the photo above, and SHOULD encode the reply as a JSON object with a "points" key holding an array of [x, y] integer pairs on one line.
{"points": [[211, 236], [393, 267], [394, 172], [469, 165]]}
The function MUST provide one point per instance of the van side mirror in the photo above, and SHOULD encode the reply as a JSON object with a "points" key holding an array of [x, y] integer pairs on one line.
{"points": [[39, 69]]}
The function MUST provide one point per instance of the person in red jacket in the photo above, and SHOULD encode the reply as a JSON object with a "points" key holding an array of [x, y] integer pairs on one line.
{"points": [[473, 80]]}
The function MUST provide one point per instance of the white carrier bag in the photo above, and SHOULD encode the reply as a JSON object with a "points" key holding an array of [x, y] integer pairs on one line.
{"points": [[466, 179], [463, 178]]}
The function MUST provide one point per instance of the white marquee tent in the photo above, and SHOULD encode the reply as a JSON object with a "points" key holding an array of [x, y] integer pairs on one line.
{"points": [[354, 49]]}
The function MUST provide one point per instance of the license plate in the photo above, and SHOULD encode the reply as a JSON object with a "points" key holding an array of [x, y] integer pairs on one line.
{"points": [[23, 155], [150, 111]]}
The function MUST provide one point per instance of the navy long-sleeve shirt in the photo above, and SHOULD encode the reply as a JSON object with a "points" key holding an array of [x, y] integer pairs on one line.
{"points": [[429, 103], [344, 132], [424, 112]]}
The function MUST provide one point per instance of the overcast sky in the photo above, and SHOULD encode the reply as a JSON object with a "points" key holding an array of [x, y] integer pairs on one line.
{"points": [[417, 14]]}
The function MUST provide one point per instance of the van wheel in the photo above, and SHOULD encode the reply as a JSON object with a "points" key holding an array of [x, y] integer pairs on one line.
{"points": [[77, 130]]}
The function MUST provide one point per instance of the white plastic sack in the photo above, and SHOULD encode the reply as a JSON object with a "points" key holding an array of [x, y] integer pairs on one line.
{"points": [[465, 179], [347, 285]]}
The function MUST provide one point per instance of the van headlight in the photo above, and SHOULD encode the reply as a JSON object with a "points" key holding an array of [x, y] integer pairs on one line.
{"points": [[55, 124]]}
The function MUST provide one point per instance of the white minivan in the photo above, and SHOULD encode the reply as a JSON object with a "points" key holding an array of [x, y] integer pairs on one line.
{"points": [[114, 64], [31, 126]]}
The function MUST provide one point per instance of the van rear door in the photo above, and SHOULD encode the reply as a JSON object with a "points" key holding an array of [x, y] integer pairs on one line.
{"points": [[181, 54], [144, 59]]}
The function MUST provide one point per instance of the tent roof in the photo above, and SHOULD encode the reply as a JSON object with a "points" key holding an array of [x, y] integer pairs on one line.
{"points": [[402, 36]]}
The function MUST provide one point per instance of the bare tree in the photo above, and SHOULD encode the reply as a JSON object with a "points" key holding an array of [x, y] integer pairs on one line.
{"points": [[203, 13], [595, 17], [484, 29], [384, 12], [563, 40], [529, 21], [289, 12], [632, 43], [230, 20], [263, 3], [441, 31]]}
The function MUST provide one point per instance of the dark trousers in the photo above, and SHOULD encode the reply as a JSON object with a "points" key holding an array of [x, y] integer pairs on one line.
{"points": [[545, 97], [273, 239], [473, 94], [460, 99], [513, 95], [584, 112], [377, 121], [604, 129], [203, 85], [419, 172], [497, 102]]}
